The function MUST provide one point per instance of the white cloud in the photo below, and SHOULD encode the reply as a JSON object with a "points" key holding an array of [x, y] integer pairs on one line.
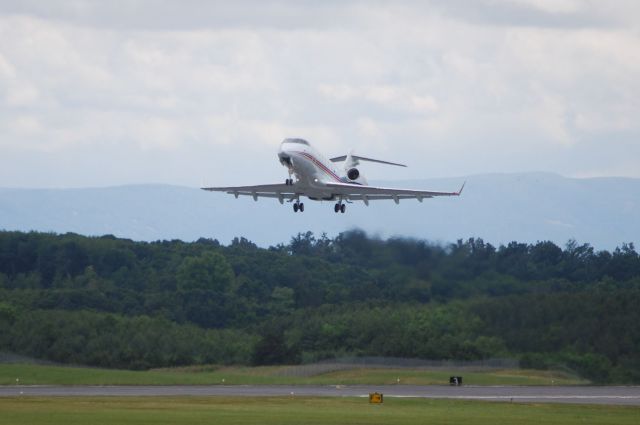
{"points": [[553, 6], [389, 96], [22, 94], [502, 87], [25, 126]]}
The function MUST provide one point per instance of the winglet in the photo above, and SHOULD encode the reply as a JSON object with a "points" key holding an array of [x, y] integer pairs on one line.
{"points": [[458, 193]]}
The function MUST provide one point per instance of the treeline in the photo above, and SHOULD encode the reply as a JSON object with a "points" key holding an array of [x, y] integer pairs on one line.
{"points": [[108, 340], [118, 303]]}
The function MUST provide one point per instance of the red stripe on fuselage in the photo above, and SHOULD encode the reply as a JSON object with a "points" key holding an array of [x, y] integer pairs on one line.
{"points": [[321, 165]]}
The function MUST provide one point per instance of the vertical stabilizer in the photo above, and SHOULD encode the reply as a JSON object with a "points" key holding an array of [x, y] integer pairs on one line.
{"points": [[351, 172], [350, 161]]}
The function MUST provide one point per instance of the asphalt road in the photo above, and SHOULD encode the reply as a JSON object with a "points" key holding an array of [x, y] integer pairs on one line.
{"points": [[534, 394]]}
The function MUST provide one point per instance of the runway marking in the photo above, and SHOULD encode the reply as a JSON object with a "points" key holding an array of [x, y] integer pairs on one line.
{"points": [[592, 395], [506, 397]]}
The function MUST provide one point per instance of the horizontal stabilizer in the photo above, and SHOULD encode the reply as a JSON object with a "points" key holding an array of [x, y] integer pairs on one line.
{"points": [[362, 158]]}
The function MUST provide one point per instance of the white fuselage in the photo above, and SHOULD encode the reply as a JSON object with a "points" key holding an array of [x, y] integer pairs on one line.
{"points": [[310, 167]]}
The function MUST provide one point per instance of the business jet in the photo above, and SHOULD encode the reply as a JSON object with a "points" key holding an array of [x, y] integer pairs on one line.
{"points": [[317, 179]]}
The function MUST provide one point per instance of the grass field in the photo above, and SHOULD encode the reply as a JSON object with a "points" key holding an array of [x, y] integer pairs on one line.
{"points": [[29, 374], [263, 410]]}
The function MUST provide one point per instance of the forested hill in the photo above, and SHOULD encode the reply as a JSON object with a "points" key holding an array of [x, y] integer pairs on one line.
{"points": [[117, 303], [498, 207]]}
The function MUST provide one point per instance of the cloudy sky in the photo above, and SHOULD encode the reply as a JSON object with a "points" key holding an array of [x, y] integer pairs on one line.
{"points": [[99, 93]]}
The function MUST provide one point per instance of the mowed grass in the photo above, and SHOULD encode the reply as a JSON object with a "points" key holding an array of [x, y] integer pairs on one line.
{"points": [[435, 377], [29, 374], [266, 410]]}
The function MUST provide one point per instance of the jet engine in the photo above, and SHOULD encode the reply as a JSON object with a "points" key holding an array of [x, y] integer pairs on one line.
{"points": [[353, 174]]}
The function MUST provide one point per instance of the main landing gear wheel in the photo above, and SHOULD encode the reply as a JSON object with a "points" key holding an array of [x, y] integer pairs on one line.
{"points": [[339, 208], [343, 207], [298, 206], [288, 182]]}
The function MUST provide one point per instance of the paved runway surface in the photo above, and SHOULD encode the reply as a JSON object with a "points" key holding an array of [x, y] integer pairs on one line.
{"points": [[537, 394]]}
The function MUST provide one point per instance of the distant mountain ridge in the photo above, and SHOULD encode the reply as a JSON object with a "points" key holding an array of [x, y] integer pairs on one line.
{"points": [[499, 208]]}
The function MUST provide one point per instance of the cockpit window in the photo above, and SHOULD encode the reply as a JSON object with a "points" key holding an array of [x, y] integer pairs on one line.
{"points": [[299, 141]]}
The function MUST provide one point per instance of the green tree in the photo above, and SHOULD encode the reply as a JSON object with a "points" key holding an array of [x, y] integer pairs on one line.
{"points": [[282, 301], [209, 271]]}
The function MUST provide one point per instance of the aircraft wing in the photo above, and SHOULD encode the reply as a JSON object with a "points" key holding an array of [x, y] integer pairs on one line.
{"points": [[346, 191], [358, 192], [279, 190]]}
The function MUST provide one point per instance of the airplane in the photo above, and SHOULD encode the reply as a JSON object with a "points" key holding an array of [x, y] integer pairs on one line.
{"points": [[318, 180]]}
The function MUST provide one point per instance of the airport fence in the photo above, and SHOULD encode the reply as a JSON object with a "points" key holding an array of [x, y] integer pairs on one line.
{"points": [[350, 363]]}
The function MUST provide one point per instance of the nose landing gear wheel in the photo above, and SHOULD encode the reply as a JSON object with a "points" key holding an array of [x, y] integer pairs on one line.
{"points": [[343, 207], [301, 207], [295, 207], [336, 208]]}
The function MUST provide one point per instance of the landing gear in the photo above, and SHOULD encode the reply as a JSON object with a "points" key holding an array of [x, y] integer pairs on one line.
{"points": [[288, 182], [298, 206], [339, 207]]}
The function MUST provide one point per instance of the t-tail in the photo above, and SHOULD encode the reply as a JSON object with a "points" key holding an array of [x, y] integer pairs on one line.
{"points": [[351, 172]]}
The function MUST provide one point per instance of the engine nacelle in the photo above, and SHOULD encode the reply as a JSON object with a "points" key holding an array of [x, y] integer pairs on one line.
{"points": [[353, 174]]}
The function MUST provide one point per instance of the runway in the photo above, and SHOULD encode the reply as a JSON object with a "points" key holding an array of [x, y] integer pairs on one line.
{"points": [[534, 394]]}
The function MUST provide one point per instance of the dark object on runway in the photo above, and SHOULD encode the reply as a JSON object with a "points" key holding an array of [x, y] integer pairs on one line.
{"points": [[455, 380]]}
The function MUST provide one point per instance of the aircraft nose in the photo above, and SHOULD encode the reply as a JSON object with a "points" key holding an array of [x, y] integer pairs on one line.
{"points": [[285, 158], [283, 147]]}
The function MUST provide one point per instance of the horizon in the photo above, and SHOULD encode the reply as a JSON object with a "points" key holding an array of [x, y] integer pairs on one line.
{"points": [[373, 180], [499, 208]]}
